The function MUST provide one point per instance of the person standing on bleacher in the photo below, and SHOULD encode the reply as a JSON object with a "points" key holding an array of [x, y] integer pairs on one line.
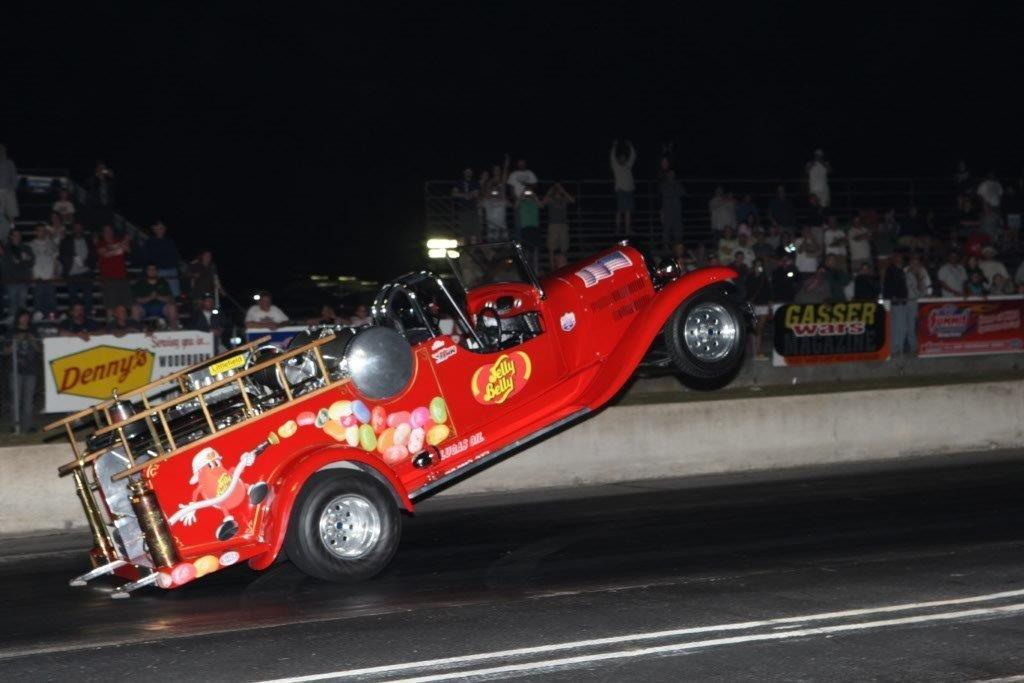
{"points": [[16, 261], [8, 195]]}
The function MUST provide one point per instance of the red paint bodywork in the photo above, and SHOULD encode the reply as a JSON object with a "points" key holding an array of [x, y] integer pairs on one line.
{"points": [[557, 374]]}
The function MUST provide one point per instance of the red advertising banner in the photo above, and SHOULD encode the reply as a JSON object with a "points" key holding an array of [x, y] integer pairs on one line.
{"points": [[960, 327]]}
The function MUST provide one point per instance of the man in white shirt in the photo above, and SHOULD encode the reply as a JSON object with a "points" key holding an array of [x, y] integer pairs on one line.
{"points": [[836, 242], [952, 277], [520, 178], [817, 178], [722, 208], [860, 244], [264, 314], [622, 169], [44, 270], [808, 253], [743, 247], [991, 191], [990, 265], [65, 208]]}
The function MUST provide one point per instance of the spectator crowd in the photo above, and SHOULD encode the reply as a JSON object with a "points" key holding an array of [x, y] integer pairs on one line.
{"points": [[794, 246]]}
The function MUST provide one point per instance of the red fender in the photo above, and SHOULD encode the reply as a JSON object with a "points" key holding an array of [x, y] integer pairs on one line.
{"points": [[290, 480], [618, 367]]}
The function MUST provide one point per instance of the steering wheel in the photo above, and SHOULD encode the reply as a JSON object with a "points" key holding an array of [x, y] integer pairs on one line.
{"points": [[489, 334]]}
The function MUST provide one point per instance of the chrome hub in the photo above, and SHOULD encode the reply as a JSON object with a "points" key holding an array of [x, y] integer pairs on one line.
{"points": [[710, 332], [350, 526]]}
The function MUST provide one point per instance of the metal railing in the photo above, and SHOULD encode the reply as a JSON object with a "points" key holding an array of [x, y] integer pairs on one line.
{"points": [[592, 216], [154, 416]]}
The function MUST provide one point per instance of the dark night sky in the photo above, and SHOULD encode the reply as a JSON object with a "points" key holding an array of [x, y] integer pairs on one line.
{"points": [[282, 135]]}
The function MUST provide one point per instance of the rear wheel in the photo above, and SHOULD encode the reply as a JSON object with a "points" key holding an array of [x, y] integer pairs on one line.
{"points": [[706, 337], [345, 527]]}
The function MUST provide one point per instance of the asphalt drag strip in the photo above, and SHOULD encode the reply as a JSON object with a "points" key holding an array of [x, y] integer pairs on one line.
{"points": [[539, 658]]}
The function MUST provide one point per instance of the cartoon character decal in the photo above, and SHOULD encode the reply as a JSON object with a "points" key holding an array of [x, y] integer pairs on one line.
{"points": [[396, 438], [217, 487]]}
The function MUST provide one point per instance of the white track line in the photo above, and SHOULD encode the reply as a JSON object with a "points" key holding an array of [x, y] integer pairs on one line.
{"points": [[632, 637], [692, 645]]}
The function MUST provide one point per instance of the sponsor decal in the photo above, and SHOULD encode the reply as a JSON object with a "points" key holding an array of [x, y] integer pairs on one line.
{"points": [[227, 364], [462, 445], [954, 328], [78, 372], [949, 320], [620, 294], [830, 333], [602, 268], [495, 383], [96, 372], [443, 354], [438, 343], [631, 307], [568, 321]]}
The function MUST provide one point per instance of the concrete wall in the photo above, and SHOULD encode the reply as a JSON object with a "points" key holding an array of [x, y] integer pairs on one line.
{"points": [[711, 437], [32, 498], [667, 439]]}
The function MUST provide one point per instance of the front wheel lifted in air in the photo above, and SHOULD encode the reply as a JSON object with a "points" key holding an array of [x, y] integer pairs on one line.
{"points": [[706, 337], [345, 527]]}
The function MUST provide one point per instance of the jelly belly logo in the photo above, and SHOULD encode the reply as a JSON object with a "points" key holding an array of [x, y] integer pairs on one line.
{"points": [[96, 372], [493, 384]]}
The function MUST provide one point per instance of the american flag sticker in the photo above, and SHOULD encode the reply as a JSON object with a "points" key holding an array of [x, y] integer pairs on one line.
{"points": [[602, 268]]}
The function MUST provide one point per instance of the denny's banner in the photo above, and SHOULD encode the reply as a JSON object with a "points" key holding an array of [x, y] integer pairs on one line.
{"points": [[959, 327], [811, 334], [80, 373]]}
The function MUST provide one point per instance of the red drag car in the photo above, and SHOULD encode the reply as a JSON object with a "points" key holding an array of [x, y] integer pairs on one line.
{"points": [[317, 450]]}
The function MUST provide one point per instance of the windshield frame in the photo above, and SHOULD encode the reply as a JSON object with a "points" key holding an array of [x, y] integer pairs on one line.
{"points": [[517, 250], [407, 284]]}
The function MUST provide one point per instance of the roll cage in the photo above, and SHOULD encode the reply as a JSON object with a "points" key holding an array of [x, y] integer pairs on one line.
{"points": [[401, 304]]}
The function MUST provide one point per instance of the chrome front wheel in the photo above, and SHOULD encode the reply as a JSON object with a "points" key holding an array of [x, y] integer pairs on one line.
{"points": [[710, 332], [705, 337]]}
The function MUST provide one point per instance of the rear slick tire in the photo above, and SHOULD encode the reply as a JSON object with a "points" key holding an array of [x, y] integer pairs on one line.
{"points": [[345, 527], [706, 338]]}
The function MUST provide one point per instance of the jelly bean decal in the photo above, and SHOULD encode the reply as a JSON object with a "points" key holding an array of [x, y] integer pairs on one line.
{"points": [[378, 419], [396, 454], [399, 418], [367, 439], [396, 437], [361, 412], [420, 416], [438, 410], [228, 558], [386, 440], [437, 434], [495, 383], [206, 564], [402, 432], [340, 409], [183, 573], [416, 439], [288, 429], [335, 430]]}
